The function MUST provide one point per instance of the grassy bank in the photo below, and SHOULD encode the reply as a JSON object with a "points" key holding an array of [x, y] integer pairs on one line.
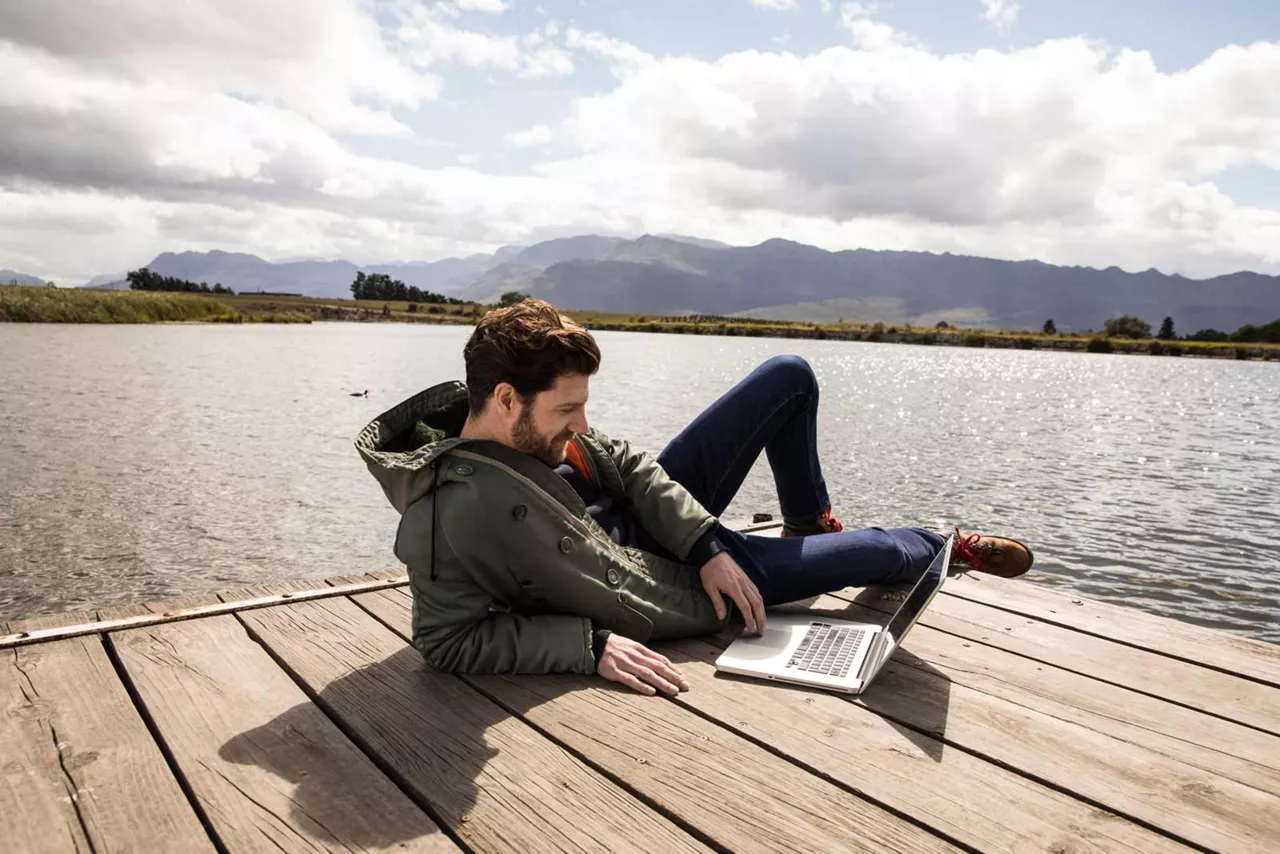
{"points": [[73, 306], [755, 328], [65, 305], [930, 336]]}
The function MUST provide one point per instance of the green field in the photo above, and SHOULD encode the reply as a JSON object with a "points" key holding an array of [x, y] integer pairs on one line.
{"points": [[67, 305], [59, 305]]}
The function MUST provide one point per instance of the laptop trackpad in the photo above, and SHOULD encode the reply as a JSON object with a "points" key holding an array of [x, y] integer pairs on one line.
{"points": [[769, 645]]}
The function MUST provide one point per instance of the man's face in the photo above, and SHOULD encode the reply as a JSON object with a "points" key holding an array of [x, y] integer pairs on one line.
{"points": [[545, 425]]}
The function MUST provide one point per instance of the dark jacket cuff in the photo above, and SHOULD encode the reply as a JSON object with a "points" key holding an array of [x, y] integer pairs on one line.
{"points": [[598, 639], [705, 549]]}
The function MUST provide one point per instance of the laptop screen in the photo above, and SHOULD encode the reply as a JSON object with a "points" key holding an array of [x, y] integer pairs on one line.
{"points": [[910, 610]]}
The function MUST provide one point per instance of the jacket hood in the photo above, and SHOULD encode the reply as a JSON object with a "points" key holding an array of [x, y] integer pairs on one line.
{"points": [[400, 444]]}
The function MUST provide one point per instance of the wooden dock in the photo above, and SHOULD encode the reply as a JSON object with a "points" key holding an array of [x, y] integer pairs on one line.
{"points": [[1015, 719]]}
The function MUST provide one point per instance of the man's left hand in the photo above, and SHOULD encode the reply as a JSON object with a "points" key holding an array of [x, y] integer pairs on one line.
{"points": [[721, 576]]}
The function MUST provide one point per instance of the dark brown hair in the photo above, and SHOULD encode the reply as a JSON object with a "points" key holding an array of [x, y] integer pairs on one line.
{"points": [[529, 345]]}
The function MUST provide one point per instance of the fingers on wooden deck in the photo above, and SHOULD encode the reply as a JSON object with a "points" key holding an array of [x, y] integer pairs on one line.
{"points": [[735, 792]]}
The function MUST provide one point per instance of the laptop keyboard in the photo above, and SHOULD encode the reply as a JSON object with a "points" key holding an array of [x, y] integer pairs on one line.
{"points": [[828, 650]]}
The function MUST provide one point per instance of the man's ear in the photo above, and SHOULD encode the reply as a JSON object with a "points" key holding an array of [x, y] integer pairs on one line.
{"points": [[504, 395]]}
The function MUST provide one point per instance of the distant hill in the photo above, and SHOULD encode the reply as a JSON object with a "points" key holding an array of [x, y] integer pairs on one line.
{"points": [[518, 269], [107, 282], [13, 277], [778, 279], [787, 280], [316, 278]]}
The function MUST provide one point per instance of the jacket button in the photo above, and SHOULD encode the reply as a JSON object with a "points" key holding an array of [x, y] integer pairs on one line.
{"points": [[614, 576], [519, 512], [462, 468], [566, 545]]}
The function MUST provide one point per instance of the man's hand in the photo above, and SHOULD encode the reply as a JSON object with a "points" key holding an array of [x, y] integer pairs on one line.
{"points": [[636, 666], [721, 576]]}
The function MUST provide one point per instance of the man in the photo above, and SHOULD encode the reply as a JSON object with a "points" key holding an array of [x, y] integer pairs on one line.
{"points": [[538, 545]]}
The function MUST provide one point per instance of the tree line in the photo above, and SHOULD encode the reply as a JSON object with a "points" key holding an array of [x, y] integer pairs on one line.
{"points": [[145, 280], [1130, 326], [380, 286]]}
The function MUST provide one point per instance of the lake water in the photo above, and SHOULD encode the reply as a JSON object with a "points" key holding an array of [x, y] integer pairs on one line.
{"points": [[138, 463]]}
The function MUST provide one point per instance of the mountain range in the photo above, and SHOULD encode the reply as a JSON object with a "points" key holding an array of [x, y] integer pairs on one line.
{"points": [[780, 279], [13, 277]]}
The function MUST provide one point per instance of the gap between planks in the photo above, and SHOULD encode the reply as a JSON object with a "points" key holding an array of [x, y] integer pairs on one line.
{"points": [[268, 768]]}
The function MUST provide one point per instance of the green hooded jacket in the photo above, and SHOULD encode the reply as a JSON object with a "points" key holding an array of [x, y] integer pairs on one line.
{"points": [[509, 573]]}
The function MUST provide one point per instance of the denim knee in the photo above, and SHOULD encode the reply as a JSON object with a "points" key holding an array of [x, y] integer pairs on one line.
{"points": [[794, 370]]}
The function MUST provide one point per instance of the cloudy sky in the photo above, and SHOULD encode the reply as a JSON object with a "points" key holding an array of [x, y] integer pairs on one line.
{"points": [[1143, 133]]}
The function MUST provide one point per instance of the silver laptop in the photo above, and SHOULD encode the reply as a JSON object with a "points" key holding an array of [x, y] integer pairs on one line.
{"points": [[837, 655]]}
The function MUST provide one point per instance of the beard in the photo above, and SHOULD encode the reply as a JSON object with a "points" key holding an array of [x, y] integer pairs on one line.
{"points": [[525, 438]]}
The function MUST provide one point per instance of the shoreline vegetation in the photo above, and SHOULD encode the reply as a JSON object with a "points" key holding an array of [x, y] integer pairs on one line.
{"points": [[72, 305], [68, 305]]}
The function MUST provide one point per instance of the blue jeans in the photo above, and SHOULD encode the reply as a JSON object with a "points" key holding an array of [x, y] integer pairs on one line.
{"points": [[775, 410]]}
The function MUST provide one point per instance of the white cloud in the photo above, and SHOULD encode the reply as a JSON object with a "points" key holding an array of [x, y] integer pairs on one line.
{"points": [[624, 55], [432, 39], [534, 136], [1001, 14], [869, 34], [320, 58], [848, 11], [1064, 151], [778, 5], [827, 5], [492, 6]]}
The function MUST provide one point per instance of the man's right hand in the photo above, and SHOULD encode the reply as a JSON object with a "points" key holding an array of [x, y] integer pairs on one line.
{"points": [[639, 667]]}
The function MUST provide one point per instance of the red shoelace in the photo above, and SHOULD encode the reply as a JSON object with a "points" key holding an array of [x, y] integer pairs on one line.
{"points": [[964, 550]]}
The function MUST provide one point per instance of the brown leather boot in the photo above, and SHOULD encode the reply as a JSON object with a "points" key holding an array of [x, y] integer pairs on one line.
{"points": [[1001, 556], [821, 524]]}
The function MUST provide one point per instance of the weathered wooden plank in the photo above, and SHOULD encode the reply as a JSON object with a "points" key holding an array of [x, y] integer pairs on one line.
{"points": [[270, 770], [50, 621], [392, 607], [910, 772], [740, 795], [1243, 700], [919, 689], [182, 603], [245, 594], [734, 791], [1189, 642], [1240, 753], [78, 769], [494, 780], [356, 578], [120, 612], [376, 575], [1235, 751]]}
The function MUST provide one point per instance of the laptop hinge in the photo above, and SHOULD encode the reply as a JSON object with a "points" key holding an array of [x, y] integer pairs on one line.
{"points": [[873, 653]]}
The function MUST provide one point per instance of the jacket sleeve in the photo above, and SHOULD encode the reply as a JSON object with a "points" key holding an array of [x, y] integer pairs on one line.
{"points": [[665, 509], [456, 627]]}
